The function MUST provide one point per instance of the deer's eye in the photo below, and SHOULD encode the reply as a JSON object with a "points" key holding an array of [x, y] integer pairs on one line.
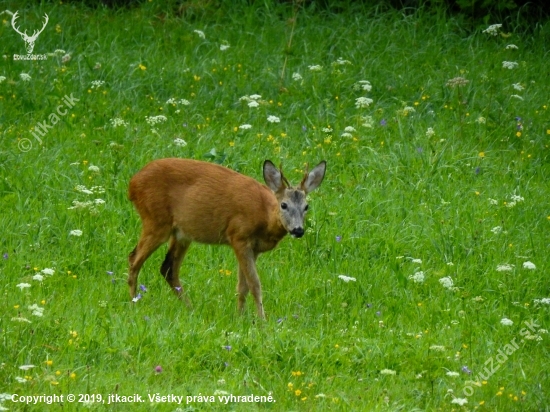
{"points": [[306, 208], [284, 206]]}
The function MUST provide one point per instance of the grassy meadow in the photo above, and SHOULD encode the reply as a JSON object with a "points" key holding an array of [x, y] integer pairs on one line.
{"points": [[421, 283]]}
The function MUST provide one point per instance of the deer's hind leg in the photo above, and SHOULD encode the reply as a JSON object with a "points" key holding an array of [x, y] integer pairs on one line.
{"points": [[170, 268]]}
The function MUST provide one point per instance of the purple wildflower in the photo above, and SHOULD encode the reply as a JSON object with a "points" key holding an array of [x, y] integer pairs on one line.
{"points": [[304, 129], [466, 370], [383, 122], [227, 347], [338, 238], [378, 313], [5, 256], [178, 288], [143, 288], [158, 369], [110, 273]]}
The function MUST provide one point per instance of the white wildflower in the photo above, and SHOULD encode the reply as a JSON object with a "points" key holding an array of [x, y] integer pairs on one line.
{"points": [[96, 84], [492, 29], [200, 33], [2, 78], [117, 121], [446, 282], [496, 230], [25, 77], [23, 285], [349, 129], [327, 129], [418, 277], [506, 322], [93, 169], [493, 202], [153, 120], [75, 232], [408, 109], [505, 267], [341, 62], [20, 379], [315, 68], [543, 301], [99, 201], [273, 119], [452, 374], [362, 102], [48, 271], [180, 142], [481, 120], [437, 348], [430, 132], [516, 198], [253, 103], [387, 372], [347, 278], [255, 96], [245, 126], [36, 310], [509, 65], [511, 47], [185, 102], [529, 265], [345, 134], [516, 96], [224, 47], [363, 85], [368, 121], [38, 277], [296, 77], [26, 367], [460, 401]]}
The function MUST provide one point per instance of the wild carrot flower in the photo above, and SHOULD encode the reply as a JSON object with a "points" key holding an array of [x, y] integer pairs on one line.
{"points": [[296, 76], [347, 278], [529, 265], [75, 232], [418, 277], [446, 282], [506, 322], [25, 77], [362, 102], [492, 29], [200, 33], [273, 119], [509, 65], [180, 142]]}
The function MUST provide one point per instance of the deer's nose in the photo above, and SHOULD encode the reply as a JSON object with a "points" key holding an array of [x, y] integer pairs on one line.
{"points": [[297, 232]]}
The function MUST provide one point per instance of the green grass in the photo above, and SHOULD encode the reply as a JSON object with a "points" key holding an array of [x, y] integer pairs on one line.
{"points": [[392, 193]]}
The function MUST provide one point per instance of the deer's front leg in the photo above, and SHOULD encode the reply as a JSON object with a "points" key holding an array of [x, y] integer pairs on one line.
{"points": [[248, 277]]}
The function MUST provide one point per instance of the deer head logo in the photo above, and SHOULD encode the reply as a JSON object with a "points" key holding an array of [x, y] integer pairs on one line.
{"points": [[29, 40]]}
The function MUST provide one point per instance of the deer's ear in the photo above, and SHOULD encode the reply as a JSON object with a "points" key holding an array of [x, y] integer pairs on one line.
{"points": [[273, 176], [313, 179]]}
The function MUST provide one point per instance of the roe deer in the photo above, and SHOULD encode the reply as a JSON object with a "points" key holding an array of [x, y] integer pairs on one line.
{"points": [[183, 200]]}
